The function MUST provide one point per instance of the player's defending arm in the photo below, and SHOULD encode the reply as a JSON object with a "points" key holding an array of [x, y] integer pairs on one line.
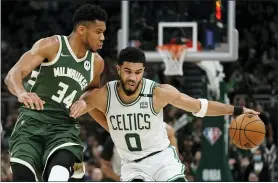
{"points": [[45, 48], [95, 98], [166, 94]]}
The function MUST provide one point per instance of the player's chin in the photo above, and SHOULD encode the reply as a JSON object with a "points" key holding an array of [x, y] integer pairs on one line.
{"points": [[131, 88], [94, 48]]}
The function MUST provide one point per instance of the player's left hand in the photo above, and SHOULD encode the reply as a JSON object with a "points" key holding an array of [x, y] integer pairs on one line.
{"points": [[250, 111], [78, 108]]}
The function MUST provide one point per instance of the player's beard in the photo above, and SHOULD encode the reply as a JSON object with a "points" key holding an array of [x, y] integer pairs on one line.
{"points": [[127, 91], [87, 45]]}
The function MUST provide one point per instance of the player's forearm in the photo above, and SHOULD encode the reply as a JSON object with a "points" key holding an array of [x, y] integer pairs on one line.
{"points": [[85, 96], [219, 109], [14, 83]]}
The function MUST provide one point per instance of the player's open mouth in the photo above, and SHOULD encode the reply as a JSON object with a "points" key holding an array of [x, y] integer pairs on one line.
{"points": [[131, 84]]}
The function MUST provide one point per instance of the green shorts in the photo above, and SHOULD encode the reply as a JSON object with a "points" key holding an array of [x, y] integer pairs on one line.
{"points": [[33, 142]]}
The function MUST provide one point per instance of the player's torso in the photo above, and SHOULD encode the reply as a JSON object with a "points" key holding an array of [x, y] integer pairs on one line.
{"points": [[136, 129], [61, 82]]}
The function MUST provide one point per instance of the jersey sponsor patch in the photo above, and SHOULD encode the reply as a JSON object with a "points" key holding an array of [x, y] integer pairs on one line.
{"points": [[144, 105], [87, 65]]}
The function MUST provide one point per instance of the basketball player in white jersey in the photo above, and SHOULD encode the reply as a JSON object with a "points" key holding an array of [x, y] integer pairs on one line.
{"points": [[111, 161], [133, 107]]}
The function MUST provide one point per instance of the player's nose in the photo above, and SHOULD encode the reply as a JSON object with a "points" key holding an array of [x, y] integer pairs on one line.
{"points": [[102, 37]]}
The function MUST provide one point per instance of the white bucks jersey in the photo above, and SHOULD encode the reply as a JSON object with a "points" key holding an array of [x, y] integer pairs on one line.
{"points": [[136, 129]]}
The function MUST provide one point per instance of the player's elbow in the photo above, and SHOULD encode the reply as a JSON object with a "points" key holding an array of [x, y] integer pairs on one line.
{"points": [[7, 80]]}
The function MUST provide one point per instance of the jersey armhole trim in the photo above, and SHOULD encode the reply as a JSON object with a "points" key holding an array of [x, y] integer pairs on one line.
{"points": [[92, 66], [151, 99], [57, 55], [108, 99]]}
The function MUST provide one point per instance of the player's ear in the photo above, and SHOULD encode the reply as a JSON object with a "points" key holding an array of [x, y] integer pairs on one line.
{"points": [[81, 29], [118, 69]]}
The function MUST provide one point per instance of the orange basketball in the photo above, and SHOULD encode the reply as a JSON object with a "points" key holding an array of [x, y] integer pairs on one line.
{"points": [[247, 131]]}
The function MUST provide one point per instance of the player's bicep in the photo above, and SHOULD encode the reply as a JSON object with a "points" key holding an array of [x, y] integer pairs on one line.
{"points": [[28, 62], [178, 99], [34, 57]]}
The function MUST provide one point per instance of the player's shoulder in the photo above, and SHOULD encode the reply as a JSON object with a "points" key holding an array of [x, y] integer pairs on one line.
{"points": [[47, 45], [150, 82], [98, 58], [98, 63], [52, 41], [112, 83]]}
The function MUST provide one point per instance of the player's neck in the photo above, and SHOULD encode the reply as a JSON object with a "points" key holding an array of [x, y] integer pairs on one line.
{"points": [[77, 46], [128, 98]]}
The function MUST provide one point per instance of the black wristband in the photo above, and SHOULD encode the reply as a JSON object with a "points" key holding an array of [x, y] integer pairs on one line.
{"points": [[238, 110]]}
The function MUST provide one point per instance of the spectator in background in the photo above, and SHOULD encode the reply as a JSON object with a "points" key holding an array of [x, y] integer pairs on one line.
{"points": [[253, 177], [97, 175], [258, 166]]}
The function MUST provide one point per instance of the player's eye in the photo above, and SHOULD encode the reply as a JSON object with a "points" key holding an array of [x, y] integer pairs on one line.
{"points": [[139, 72]]}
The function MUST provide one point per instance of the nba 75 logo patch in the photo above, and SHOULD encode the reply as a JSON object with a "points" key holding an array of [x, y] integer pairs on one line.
{"points": [[143, 105], [212, 134]]}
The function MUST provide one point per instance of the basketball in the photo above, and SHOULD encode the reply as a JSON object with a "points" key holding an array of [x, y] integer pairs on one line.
{"points": [[247, 131]]}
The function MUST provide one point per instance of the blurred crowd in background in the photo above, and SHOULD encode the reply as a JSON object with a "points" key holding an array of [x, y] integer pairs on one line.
{"points": [[252, 81]]}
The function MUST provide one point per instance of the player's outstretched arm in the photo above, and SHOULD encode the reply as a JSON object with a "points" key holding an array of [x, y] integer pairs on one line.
{"points": [[199, 107], [45, 48]]}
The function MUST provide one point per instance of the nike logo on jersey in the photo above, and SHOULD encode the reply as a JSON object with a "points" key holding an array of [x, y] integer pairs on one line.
{"points": [[63, 55]]}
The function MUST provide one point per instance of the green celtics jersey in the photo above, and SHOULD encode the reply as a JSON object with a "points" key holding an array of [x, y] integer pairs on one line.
{"points": [[60, 83]]}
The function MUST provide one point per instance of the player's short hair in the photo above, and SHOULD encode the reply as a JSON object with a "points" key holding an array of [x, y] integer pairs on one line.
{"points": [[131, 54], [88, 13]]}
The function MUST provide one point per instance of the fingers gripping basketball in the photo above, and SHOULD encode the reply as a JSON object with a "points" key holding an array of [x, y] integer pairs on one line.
{"points": [[247, 131]]}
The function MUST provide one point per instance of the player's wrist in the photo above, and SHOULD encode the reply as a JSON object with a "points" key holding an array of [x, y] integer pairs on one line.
{"points": [[238, 110], [20, 91]]}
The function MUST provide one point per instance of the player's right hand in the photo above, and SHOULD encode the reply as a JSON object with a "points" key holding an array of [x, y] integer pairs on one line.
{"points": [[78, 108], [31, 100]]}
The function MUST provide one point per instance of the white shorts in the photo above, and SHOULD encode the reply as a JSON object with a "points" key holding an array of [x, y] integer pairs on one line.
{"points": [[163, 166]]}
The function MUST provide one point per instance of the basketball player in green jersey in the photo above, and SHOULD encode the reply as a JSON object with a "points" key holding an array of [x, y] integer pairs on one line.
{"points": [[45, 142], [133, 107]]}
